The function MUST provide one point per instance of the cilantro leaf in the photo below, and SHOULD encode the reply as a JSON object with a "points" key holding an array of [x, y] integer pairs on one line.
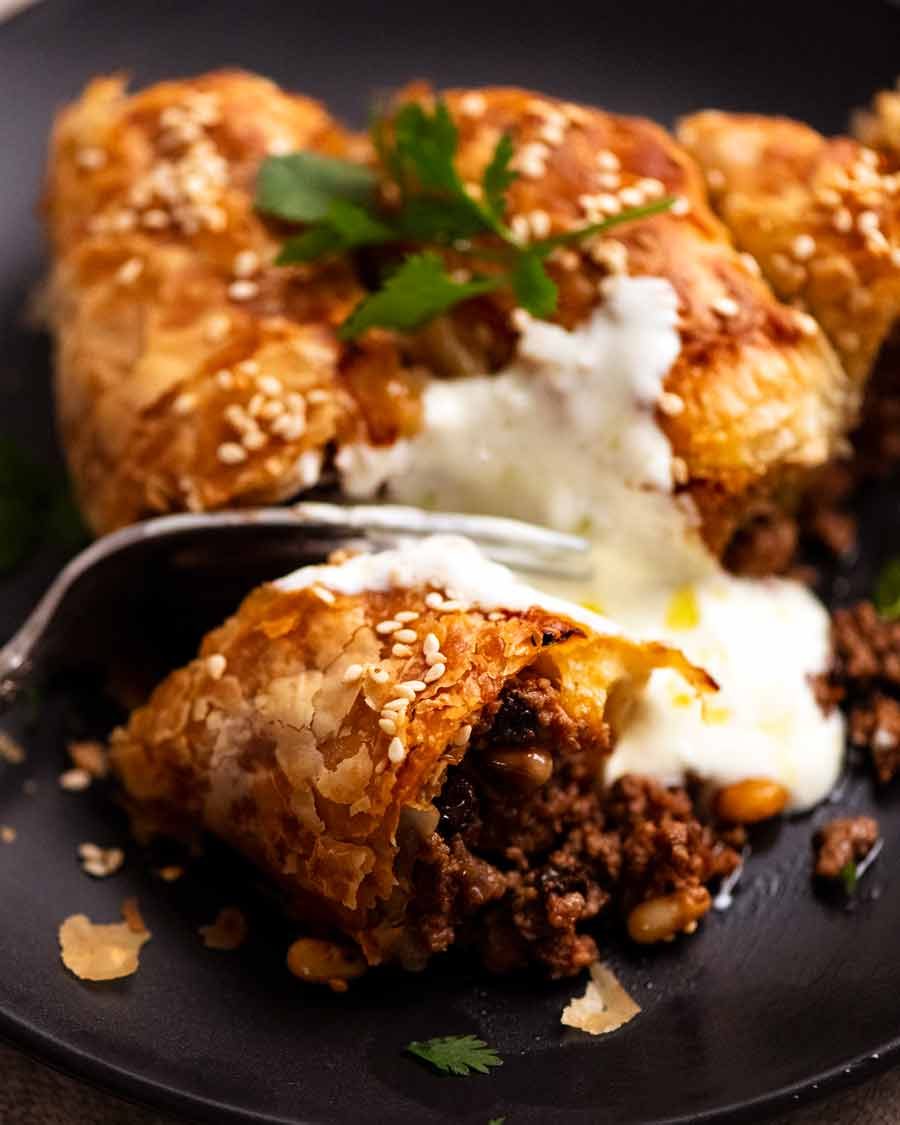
{"points": [[535, 291], [578, 234], [456, 1054], [425, 218], [346, 227], [849, 876], [497, 178], [302, 186], [426, 145], [887, 591], [497, 1121], [418, 291]]}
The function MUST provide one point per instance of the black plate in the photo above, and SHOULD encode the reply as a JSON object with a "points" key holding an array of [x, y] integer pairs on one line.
{"points": [[782, 995]]}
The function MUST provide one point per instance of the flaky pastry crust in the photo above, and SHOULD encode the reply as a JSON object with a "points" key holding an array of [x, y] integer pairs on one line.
{"points": [[274, 736]]}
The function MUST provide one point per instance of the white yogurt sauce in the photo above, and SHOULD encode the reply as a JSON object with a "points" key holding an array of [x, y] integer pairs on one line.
{"points": [[566, 435]]}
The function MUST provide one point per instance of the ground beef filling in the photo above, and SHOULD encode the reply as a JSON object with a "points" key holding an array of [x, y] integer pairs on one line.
{"points": [[528, 850], [843, 842]]}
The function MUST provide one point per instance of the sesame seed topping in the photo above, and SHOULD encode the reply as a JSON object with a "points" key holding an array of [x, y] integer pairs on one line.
{"points": [[245, 264], [434, 600], [453, 605], [230, 453], [803, 247], [806, 324], [155, 219], [680, 470], [184, 403], [243, 290], [253, 440], [726, 306], [463, 735], [289, 426], [388, 726], [670, 403], [750, 264], [353, 673], [74, 780], [842, 220], [406, 636], [225, 379], [248, 367], [472, 104], [269, 385], [396, 751], [412, 685], [324, 595], [651, 187], [317, 395], [90, 157], [406, 615], [631, 196], [380, 675], [867, 222], [431, 644], [217, 327], [435, 672], [399, 704], [386, 627], [681, 206], [401, 650], [130, 271], [216, 665]]}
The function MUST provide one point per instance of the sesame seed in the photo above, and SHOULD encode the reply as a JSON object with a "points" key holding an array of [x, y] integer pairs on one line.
{"points": [[230, 453], [271, 409], [386, 627], [225, 379], [463, 735], [539, 221], [681, 206], [867, 222], [608, 160], [520, 228], [399, 704], [216, 665], [155, 219], [750, 264], [406, 636], [248, 367], [74, 780], [434, 600], [611, 181], [380, 675], [317, 395], [435, 658], [651, 187], [453, 605], [243, 290], [472, 104], [670, 403], [726, 306], [401, 650], [253, 440], [412, 685], [129, 271], [269, 385], [431, 644], [806, 324], [324, 595], [406, 615], [289, 426], [217, 327], [184, 403], [435, 672], [396, 751], [842, 220], [245, 264], [280, 146], [803, 247], [388, 726], [680, 470], [495, 615], [353, 673], [90, 157]]}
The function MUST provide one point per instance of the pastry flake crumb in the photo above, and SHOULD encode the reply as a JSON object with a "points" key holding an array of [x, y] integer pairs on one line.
{"points": [[75, 780], [604, 1007], [227, 932], [7, 834], [10, 751], [98, 861], [103, 951], [90, 756]]}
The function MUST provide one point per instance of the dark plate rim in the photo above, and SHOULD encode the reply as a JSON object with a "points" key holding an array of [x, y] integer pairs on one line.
{"points": [[134, 1087]]}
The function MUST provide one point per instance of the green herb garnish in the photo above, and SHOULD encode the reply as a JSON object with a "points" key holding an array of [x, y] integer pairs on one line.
{"points": [[849, 876], [456, 1054], [887, 591], [435, 209]]}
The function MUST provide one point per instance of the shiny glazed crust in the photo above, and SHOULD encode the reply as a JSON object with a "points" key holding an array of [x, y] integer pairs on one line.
{"points": [[879, 126], [760, 396], [273, 737], [822, 217], [191, 373]]}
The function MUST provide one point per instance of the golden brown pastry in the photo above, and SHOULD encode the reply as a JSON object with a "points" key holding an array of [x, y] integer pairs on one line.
{"points": [[756, 396], [320, 731], [879, 126], [191, 373], [821, 216]]}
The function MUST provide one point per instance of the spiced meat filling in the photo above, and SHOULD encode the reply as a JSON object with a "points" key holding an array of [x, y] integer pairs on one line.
{"points": [[529, 849]]}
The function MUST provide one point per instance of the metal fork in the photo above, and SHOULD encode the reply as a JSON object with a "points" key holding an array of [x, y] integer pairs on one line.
{"points": [[155, 587]]}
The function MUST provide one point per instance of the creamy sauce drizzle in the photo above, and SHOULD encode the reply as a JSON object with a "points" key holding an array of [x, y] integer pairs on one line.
{"points": [[567, 436]]}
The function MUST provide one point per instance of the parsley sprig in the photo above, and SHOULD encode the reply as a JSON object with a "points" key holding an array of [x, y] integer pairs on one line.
{"points": [[456, 1054], [343, 211], [887, 591]]}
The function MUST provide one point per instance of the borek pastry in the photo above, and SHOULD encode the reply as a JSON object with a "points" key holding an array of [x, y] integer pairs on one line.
{"points": [[191, 374], [347, 712], [821, 216]]}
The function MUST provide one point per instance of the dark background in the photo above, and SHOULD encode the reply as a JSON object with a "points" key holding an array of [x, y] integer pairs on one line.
{"points": [[780, 990]]}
